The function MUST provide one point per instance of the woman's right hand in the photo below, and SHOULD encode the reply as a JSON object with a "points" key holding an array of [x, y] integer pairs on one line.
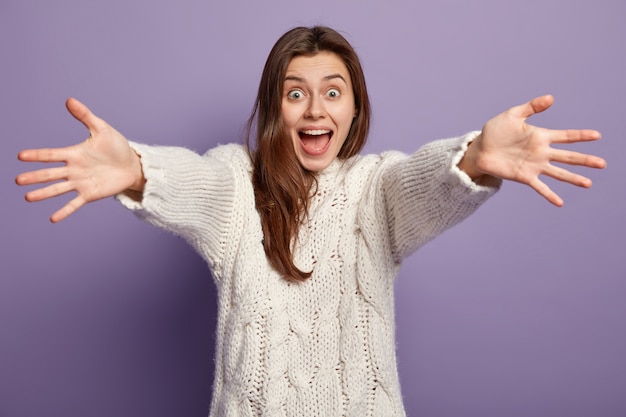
{"points": [[100, 167]]}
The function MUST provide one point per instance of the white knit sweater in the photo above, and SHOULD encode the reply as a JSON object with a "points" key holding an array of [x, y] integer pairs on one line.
{"points": [[324, 347]]}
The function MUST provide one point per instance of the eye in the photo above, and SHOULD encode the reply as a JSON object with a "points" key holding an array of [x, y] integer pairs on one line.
{"points": [[333, 93], [295, 94]]}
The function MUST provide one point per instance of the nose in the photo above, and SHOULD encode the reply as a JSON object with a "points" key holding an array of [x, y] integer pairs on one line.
{"points": [[315, 109]]}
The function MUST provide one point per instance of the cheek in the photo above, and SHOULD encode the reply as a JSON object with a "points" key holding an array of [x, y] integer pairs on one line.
{"points": [[347, 118], [290, 117]]}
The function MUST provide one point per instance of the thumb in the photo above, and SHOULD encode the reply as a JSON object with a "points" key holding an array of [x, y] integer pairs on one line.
{"points": [[534, 106], [84, 115]]}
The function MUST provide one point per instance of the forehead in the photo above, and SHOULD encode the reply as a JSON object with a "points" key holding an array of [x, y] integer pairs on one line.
{"points": [[317, 66]]}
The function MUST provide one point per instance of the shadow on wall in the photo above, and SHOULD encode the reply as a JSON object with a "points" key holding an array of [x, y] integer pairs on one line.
{"points": [[132, 336]]}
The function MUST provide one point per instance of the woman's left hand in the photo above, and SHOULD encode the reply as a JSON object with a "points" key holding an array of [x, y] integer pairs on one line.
{"points": [[508, 148]]}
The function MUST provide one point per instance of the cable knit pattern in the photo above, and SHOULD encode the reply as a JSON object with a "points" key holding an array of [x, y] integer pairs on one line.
{"points": [[324, 347]]}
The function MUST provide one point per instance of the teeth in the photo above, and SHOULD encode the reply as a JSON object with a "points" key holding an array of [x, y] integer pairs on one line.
{"points": [[315, 132]]}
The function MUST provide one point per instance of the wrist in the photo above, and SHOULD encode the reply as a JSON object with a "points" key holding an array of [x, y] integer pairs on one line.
{"points": [[467, 164], [140, 180]]}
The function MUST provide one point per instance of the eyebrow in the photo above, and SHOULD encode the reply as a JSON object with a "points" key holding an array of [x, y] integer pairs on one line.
{"points": [[326, 78]]}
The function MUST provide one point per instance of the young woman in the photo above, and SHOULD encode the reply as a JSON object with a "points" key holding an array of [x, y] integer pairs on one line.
{"points": [[302, 234]]}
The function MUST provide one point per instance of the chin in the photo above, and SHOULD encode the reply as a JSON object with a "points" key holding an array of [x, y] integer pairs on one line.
{"points": [[315, 165]]}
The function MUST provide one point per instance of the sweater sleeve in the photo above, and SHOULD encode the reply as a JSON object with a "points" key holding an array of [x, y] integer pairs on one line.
{"points": [[426, 193], [190, 195]]}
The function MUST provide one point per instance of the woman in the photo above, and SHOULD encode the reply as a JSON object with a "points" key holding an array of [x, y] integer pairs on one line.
{"points": [[304, 237]]}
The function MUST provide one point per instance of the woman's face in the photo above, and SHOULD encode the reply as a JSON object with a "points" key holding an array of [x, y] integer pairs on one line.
{"points": [[317, 107]]}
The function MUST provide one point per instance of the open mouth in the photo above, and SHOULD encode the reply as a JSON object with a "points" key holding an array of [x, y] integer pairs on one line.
{"points": [[315, 141]]}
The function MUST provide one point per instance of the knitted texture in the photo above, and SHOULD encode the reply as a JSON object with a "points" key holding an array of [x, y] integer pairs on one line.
{"points": [[326, 346]]}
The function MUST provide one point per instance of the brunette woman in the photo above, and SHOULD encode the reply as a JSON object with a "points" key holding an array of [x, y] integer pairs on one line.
{"points": [[302, 234]]}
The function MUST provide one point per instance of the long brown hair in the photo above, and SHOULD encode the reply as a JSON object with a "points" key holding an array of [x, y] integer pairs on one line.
{"points": [[282, 187]]}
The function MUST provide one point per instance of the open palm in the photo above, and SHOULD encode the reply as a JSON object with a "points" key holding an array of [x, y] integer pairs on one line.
{"points": [[101, 166], [509, 148]]}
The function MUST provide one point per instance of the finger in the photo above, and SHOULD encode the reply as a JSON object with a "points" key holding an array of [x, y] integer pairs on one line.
{"points": [[534, 106], [42, 176], [573, 135], [567, 176], [84, 115], [43, 155], [576, 158], [50, 191], [546, 192], [68, 209]]}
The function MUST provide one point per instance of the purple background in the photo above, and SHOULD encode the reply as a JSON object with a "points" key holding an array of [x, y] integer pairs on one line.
{"points": [[519, 311]]}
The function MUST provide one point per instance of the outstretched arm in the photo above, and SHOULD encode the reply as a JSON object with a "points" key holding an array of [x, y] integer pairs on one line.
{"points": [[101, 166], [509, 148]]}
